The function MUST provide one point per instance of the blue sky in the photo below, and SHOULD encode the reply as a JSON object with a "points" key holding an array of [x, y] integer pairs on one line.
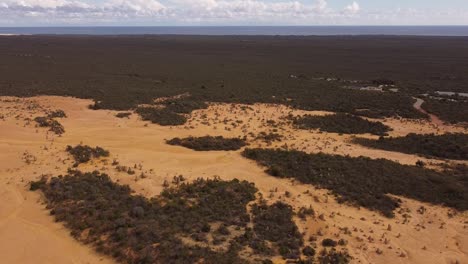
{"points": [[232, 12]]}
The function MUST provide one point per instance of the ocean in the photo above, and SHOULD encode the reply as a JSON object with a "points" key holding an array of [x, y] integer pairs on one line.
{"points": [[244, 30]]}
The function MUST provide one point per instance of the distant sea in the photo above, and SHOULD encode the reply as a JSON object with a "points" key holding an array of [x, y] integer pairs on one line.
{"points": [[245, 30]]}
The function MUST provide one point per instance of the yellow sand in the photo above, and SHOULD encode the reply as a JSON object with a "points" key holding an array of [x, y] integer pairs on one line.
{"points": [[29, 235]]}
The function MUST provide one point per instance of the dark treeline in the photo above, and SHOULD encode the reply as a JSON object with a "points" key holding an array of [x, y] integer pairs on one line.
{"points": [[341, 123], [134, 229], [365, 182], [121, 72], [208, 143], [448, 146]]}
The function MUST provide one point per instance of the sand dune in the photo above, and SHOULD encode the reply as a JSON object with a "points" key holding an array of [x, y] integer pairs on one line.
{"points": [[29, 235]]}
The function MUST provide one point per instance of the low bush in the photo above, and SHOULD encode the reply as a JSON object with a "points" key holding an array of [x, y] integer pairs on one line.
{"points": [[84, 153], [333, 256], [365, 182], [207, 143], [341, 123], [57, 114], [52, 124], [449, 146], [161, 116], [123, 115], [328, 242]]}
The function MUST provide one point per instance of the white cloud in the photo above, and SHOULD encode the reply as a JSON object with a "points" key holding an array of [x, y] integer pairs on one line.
{"points": [[353, 8], [212, 12]]}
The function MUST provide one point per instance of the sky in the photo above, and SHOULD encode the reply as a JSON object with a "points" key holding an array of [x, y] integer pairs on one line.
{"points": [[231, 12]]}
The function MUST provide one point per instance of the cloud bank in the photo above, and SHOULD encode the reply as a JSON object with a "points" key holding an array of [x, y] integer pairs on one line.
{"points": [[211, 12]]}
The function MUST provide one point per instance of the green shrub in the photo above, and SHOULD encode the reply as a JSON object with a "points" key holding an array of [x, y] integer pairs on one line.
{"points": [[84, 153], [449, 146], [341, 123], [163, 117], [207, 143], [366, 182]]}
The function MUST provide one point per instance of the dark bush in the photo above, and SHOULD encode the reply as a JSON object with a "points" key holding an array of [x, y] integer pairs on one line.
{"points": [[308, 251], [341, 123], [449, 146], [328, 242], [365, 182], [53, 125], [207, 143], [57, 114], [163, 117], [123, 115], [84, 153], [333, 256]]}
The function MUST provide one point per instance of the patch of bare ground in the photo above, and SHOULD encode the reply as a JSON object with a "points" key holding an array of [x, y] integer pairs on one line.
{"points": [[419, 232]]}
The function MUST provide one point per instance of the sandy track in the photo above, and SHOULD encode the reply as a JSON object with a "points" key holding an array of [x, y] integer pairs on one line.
{"points": [[29, 235]]}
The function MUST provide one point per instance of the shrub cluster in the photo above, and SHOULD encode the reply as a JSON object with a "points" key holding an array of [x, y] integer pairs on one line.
{"points": [[161, 116], [52, 124], [341, 123], [84, 153], [123, 115], [333, 256], [274, 223], [449, 146], [57, 114], [134, 229], [447, 110], [365, 182], [207, 143]]}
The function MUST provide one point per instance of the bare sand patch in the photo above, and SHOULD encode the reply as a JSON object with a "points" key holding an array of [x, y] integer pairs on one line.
{"points": [[29, 235]]}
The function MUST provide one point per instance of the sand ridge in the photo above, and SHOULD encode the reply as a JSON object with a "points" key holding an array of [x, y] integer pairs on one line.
{"points": [[29, 234]]}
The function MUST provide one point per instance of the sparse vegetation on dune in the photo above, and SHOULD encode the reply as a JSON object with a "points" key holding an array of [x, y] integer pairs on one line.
{"points": [[366, 182], [341, 123], [207, 143], [134, 229], [84, 153], [449, 146]]}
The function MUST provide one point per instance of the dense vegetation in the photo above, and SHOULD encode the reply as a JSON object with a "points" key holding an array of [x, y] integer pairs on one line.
{"points": [[273, 223], [207, 143], [133, 70], [163, 117], [341, 123], [365, 182], [52, 124], [449, 146], [174, 227], [84, 153], [448, 110]]}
